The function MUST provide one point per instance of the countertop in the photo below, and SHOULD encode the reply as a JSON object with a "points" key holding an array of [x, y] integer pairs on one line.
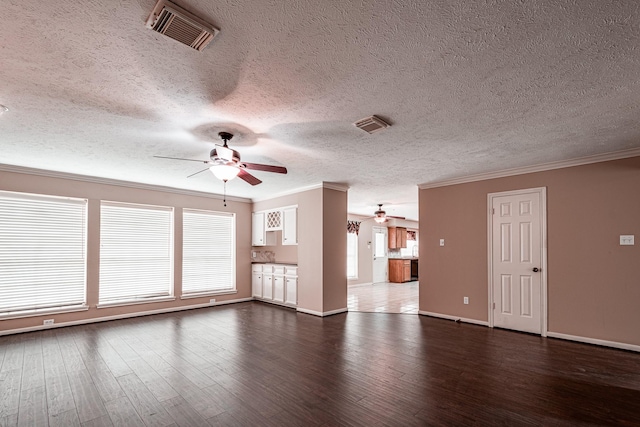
{"points": [[274, 262], [405, 258]]}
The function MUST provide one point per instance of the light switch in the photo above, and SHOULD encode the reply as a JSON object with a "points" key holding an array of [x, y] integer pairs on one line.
{"points": [[627, 240], [441, 242]]}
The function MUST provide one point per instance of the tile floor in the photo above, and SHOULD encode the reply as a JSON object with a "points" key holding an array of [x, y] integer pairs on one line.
{"points": [[384, 298]]}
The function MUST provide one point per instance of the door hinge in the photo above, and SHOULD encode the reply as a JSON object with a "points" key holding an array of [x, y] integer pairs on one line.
{"points": [[494, 305], [493, 211]]}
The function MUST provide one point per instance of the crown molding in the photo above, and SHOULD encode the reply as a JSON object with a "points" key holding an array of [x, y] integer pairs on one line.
{"points": [[616, 155], [108, 181], [329, 185]]}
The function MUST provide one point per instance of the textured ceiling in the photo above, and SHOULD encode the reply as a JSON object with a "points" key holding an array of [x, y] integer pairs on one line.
{"points": [[469, 87]]}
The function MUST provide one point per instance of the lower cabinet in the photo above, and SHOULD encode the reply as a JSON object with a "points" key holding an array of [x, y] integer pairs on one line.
{"points": [[399, 270], [276, 283]]}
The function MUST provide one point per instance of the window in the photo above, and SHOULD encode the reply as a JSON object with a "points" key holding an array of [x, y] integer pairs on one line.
{"points": [[42, 252], [136, 252], [352, 256], [208, 252]]}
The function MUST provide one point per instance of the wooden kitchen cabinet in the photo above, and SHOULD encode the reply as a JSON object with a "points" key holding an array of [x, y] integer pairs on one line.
{"points": [[397, 237], [399, 270]]}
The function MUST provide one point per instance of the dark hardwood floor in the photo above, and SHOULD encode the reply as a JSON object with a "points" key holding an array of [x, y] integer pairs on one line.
{"points": [[256, 364]]}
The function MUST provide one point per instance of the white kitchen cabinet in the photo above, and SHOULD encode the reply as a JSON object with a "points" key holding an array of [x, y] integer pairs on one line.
{"points": [[256, 280], [290, 226], [259, 235], [267, 286], [278, 288], [275, 283], [291, 290]]}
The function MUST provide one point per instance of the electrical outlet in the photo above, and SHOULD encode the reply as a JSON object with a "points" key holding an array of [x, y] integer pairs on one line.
{"points": [[466, 300], [48, 322], [212, 300], [627, 240], [441, 242]]}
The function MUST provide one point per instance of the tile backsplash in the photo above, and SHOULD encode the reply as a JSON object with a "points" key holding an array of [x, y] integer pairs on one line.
{"points": [[263, 256]]}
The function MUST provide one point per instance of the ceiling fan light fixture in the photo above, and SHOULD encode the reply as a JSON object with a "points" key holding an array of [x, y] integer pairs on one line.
{"points": [[380, 215], [224, 172]]}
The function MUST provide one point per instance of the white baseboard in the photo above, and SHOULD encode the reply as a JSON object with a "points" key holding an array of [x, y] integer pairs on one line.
{"points": [[322, 313], [455, 318], [595, 341], [120, 316]]}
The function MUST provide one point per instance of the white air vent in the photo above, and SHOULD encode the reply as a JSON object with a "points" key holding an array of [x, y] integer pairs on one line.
{"points": [[371, 124], [175, 22]]}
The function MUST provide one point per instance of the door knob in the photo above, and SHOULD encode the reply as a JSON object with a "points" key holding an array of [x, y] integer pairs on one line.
{"points": [[536, 269]]}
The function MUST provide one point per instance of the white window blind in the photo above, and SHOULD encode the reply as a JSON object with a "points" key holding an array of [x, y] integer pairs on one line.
{"points": [[136, 252], [208, 251], [352, 255], [42, 251]]}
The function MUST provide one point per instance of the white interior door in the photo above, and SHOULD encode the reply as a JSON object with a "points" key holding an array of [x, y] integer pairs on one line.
{"points": [[380, 261], [517, 258]]}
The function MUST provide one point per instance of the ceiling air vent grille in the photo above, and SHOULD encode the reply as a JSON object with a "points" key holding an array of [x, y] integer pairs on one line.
{"points": [[178, 24], [372, 124]]}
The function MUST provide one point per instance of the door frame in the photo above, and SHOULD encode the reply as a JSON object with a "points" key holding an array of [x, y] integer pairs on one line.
{"points": [[542, 191]]}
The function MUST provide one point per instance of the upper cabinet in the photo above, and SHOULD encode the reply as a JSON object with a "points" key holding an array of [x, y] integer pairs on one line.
{"points": [[397, 237], [258, 235], [290, 226], [264, 223]]}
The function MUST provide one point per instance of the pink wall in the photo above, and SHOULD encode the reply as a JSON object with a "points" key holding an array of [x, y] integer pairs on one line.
{"points": [[593, 282], [95, 192]]}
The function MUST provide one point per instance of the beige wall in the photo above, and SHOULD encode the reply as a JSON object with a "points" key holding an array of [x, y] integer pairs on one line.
{"points": [[321, 249], [95, 192], [593, 282], [334, 250]]}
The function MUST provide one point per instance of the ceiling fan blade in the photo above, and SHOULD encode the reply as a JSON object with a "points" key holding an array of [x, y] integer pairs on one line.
{"points": [[224, 153], [266, 168], [246, 176], [396, 217], [198, 172], [180, 158]]}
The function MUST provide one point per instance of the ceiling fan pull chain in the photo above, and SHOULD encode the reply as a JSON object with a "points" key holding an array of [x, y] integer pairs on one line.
{"points": [[224, 199]]}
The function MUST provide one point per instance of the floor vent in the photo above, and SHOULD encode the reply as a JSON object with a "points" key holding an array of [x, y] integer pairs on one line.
{"points": [[372, 124], [178, 24]]}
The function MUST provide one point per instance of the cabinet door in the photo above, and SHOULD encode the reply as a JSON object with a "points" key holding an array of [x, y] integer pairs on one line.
{"points": [[395, 271], [393, 241], [291, 289], [406, 271], [256, 285], [278, 288], [290, 226], [267, 286], [258, 234], [402, 237]]}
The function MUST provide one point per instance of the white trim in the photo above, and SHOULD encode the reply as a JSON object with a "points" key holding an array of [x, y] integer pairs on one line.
{"points": [[208, 293], [454, 318], [322, 313], [135, 301], [614, 344], [616, 155], [330, 185], [42, 312], [109, 181], [121, 316], [542, 191]]}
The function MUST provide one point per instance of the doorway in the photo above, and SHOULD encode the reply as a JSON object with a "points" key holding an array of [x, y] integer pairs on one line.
{"points": [[517, 260], [380, 260]]}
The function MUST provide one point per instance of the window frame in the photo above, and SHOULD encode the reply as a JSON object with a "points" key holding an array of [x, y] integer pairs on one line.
{"points": [[72, 240], [159, 294], [195, 293]]}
